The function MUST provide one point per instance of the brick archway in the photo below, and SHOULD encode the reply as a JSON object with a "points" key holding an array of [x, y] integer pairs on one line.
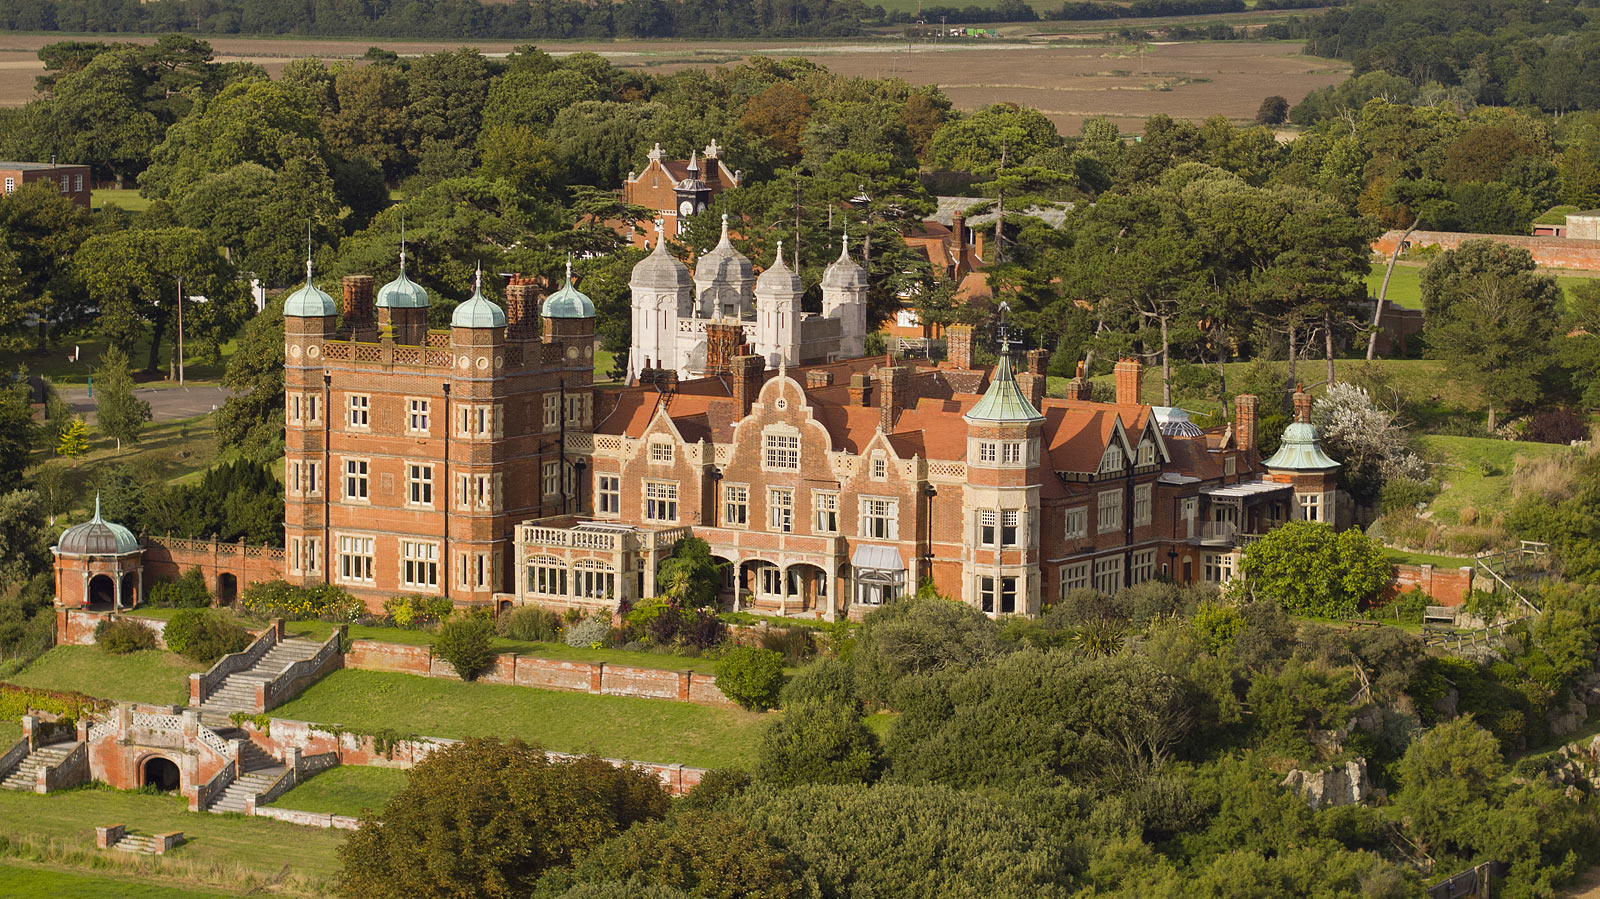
{"points": [[160, 772]]}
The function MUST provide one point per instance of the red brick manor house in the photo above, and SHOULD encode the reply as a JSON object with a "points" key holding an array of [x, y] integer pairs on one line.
{"points": [[481, 463]]}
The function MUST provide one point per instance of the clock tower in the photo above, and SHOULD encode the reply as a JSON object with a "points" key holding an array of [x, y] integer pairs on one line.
{"points": [[692, 194]]}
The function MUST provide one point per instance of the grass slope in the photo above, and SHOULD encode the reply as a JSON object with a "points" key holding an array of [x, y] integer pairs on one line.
{"points": [[27, 881], [345, 790], [177, 451], [1476, 471], [258, 846], [127, 199], [37, 882], [54, 365], [10, 733], [156, 676], [650, 730], [1405, 286]]}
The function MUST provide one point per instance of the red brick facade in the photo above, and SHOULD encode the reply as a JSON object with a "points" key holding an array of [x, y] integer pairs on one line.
{"points": [[1548, 252], [72, 181], [666, 184]]}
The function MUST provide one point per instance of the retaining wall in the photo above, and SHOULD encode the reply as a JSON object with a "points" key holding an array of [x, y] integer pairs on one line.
{"points": [[1549, 252], [75, 627], [548, 674], [1449, 586]]}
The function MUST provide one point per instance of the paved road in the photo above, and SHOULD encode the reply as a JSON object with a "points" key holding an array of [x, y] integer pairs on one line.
{"points": [[166, 403]]}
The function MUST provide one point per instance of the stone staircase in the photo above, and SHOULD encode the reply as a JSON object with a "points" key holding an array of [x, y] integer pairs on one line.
{"points": [[238, 691], [259, 769], [138, 844], [25, 775]]}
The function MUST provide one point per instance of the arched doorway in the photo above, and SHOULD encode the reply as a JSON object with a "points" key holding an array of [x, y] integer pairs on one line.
{"points": [[227, 589], [161, 773], [102, 593], [130, 590]]}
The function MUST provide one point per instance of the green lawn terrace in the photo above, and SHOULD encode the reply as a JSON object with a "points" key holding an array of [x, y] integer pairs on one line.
{"points": [[222, 855], [1405, 285], [345, 790]]}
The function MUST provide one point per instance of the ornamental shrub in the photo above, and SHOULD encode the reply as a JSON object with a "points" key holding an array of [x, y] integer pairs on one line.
{"points": [[1310, 569], [1217, 625], [591, 631], [751, 677], [529, 623], [187, 592], [818, 741], [418, 612], [204, 635], [281, 599], [120, 636], [17, 701], [464, 641]]}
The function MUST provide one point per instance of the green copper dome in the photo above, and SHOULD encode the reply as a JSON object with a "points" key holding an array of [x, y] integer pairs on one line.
{"points": [[97, 537], [1300, 450], [477, 311], [1004, 401], [309, 302], [568, 302], [402, 293]]}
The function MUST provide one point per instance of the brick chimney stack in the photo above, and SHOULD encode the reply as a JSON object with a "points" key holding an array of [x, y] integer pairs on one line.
{"points": [[1130, 377], [724, 343], [895, 384], [358, 291], [1245, 408], [522, 307], [747, 371], [958, 341], [1032, 379], [858, 389], [1302, 405], [1078, 388]]}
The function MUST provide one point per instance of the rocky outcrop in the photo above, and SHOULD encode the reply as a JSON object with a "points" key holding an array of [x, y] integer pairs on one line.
{"points": [[1346, 784], [1566, 718]]}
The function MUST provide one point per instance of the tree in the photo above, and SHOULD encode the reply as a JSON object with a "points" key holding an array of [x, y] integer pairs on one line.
{"points": [[919, 636], [975, 142], [118, 412], [40, 228], [705, 853], [56, 488], [74, 440], [751, 677], [1274, 110], [18, 434], [1310, 569], [1495, 334], [818, 741], [779, 116], [1370, 444], [689, 577], [1448, 778], [464, 641], [487, 818], [24, 542], [251, 418]]}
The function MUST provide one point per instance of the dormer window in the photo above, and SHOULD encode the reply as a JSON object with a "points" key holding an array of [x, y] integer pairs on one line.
{"points": [[1147, 452], [1111, 460], [880, 466]]}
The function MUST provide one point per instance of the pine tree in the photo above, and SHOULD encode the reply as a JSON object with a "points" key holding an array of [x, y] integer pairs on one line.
{"points": [[119, 413], [74, 439]]}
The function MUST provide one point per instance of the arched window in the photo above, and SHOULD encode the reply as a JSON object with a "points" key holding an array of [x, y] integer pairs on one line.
{"points": [[1111, 460], [547, 576]]}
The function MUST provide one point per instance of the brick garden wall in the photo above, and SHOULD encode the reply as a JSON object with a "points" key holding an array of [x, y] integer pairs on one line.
{"points": [[1550, 252], [1449, 586], [548, 674], [75, 627], [165, 559]]}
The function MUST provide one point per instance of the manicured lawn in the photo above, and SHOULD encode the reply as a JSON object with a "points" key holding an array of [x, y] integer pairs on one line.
{"points": [[156, 676], [53, 362], [1405, 286], [345, 790], [27, 881], [649, 730], [1410, 558], [1476, 471], [127, 199], [227, 850]]}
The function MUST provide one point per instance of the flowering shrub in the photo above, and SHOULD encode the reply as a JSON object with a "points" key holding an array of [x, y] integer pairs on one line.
{"points": [[281, 599], [417, 612], [592, 631]]}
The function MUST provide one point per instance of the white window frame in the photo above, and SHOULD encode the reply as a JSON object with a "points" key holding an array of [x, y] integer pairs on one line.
{"points": [[780, 451], [360, 411], [735, 505], [1108, 512], [1108, 574], [661, 501], [546, 576], [1144, 566], [419, 485], [826, 506], [1147, 452], [1075, 523], [880, 518], [661, 452], [879, 466], [358, 470], [1075, 576], [1310, 505], [358, 558], [608, 494], [552, 412], [1230, 466], [988, 452], [418, 410], [1011, 453], [1111, 461], [1142, 503], [1216, 568], [419, 564], [780, 510]]}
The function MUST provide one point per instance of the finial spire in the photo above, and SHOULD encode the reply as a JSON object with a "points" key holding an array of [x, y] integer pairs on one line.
{"points": [[569, 268], [308, 251], [724, 227], [402, 243], [779, 260], [477, 279], [97, 505]]}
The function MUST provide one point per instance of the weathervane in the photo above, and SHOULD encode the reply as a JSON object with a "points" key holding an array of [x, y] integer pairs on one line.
{"points": [[1003, 332]]}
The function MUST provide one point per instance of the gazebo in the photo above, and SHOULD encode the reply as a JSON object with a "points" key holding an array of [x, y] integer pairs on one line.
{"points": [[99, 565]]}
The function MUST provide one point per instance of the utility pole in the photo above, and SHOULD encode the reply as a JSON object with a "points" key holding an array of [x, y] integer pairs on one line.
{"points": [[180, 330]]}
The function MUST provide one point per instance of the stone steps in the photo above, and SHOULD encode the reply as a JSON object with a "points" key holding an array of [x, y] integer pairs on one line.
{"points": [[257, 781], [237, 693], [25, 776], [141, 845]]}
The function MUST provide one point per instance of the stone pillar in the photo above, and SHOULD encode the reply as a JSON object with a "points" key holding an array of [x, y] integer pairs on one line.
{"points": [[30, 731]]}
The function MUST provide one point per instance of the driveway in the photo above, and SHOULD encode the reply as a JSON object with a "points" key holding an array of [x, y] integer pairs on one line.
{"points": [[166, 403]]}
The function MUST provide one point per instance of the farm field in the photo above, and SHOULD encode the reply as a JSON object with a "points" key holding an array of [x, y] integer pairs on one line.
{"points": [[647, 730], [155, 676], [1069, 82], [229, 852], [345, 790]]}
